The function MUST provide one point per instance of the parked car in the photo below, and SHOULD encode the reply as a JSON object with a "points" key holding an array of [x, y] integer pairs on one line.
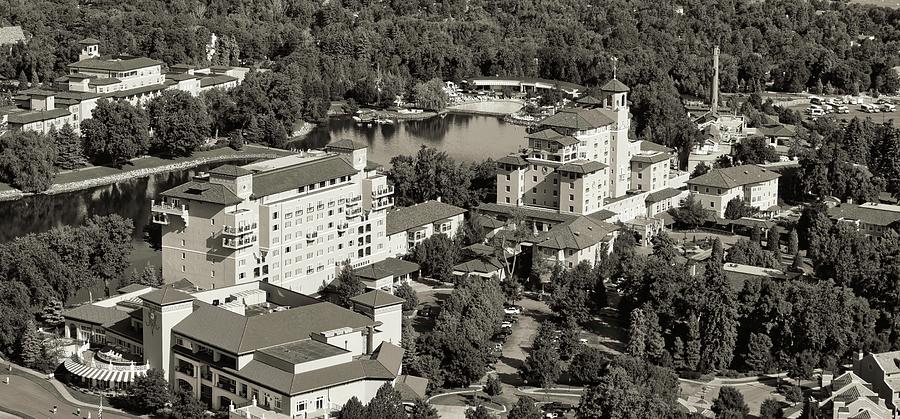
{"points": [[426, 311], [513, 310], [510, 318], [557, 407], [506, 325], [888, 107], [498, 346], [583, 341]]}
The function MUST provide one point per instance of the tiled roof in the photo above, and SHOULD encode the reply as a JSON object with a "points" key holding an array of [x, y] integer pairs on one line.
{"points": [[136, 91], [166, 296], [777, 130], [578, 119], [303, 351], [216, 80], [582, 166], [180, 76], [411, 388], [131, 288], [732, 177], [28, 117], [123, 328], [385, 268], [578, 234], [513, 159], [377, 299], [479, 265], [204, 192], [405, 218], [11, 35], [615, 86], [303, 174], [651, 157], [662, 194], [530, 212], [89, 41], [238, 334], [230, 170], [94, 314], [346, 144], [549, 134], [651, 146], [106, 81], [116, 64], [589, 100], [866, 213]]}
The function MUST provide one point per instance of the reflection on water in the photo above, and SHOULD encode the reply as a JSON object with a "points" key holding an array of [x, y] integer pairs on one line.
{"points": [[471, 138], [465, 137]]}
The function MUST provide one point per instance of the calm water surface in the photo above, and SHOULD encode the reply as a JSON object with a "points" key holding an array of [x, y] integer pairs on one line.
{"points": [[471, 138]]}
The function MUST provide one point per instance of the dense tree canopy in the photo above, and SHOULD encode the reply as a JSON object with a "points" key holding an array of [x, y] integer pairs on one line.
{"points": [[116, 132], [179, 122], [27, 160]]}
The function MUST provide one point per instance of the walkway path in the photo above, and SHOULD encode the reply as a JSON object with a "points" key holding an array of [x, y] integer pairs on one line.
{"points": [[26, 395]]}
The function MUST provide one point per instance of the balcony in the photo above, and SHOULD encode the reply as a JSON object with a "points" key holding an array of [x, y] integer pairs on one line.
{"points": [[166, 208], [238, 243], [239, 230], [206, 375], [228, 386], [186, 369], [382, 192], [382, 203], [353, 212], [311, 237], [160, 218], [353, 201], [342, 227]]}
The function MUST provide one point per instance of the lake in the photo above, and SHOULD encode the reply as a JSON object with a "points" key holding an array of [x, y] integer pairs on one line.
{"points": [[464, 137]]}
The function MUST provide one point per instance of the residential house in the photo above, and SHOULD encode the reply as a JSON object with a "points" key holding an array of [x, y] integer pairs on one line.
{"points": [[882, 370], [409, 226], [873, 219], [755, 185]]}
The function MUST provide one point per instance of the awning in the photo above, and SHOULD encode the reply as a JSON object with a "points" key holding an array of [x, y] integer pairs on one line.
{"points": [[99, 374]]}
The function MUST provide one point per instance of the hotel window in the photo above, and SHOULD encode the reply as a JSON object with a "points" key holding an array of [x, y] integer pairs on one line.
{"points": [[301, 406], [275, 215], [182, 255], [320, 402]]}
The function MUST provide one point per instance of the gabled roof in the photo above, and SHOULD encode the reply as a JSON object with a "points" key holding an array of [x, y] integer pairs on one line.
{"points": [[204, 192], [577, 234], [581, 166], [230, 170], [549, 134], [131, 288], [776, 130], [27, 117], [106, 81], [651, 146], [513, 159], [123, 63], [733, 177], [166, 296], [292, 177], [89, 313], [405, 218], [578, 119], [346, 144], [480, 265], [615, 86], [588, 100], [651, 157], [385, 268], [216, 80], [411, 388], [238, 334], [11, 35], [89, 41]]}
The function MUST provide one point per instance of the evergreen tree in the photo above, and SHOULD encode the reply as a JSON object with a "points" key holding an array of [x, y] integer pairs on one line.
{"points": [[149, 276], [759, 353], [493, 387], [408, 294], [349, 286], [51, 315], [730, 400], [386, 404], [525, 409], [422, 410], [770, 409], [186, 406], [692, 344], [773, 238], [479, 412], [70, 150], [542, 366], [793, 242], [353, 409], [149, 393], [30, 350]]}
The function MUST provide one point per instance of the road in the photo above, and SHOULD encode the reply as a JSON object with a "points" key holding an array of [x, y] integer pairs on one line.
{"points": [[24, 396]]}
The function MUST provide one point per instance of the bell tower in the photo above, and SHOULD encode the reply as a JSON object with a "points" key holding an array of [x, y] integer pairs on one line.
{"points": [[90, 48], [615, 95]]}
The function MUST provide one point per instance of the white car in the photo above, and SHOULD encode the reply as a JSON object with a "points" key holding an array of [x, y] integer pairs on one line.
{"points": [[512, 310], [551, 415], [583, 341], [506, 325]]}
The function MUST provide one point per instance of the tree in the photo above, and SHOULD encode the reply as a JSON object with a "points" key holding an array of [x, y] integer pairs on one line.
{"points": [[737, 208], [754, 150], [386, 404], [149, 393], [149, 276], [525, 409], [730, 400], [116, 132], [30, 345], [272, 131], [770, 409], [437, 255], [773, 239], [186, 406], [794, 394], [430, 175], [632, 388], [179, 122], [27, 160], [577, 293], [690, 213], [699, 170], [70, 151], [51, 315], [409, 296], [793, 242], [422, 410], [512, 288], [493, 387], [348, 286], [353, 409], [542, 366], [430, 95], [588, 366], [479, 412], [759, 353]]}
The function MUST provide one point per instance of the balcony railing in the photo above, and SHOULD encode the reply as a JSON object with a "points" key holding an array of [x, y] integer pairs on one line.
{"points": [[206, 375], [383, 203], [342, 227], [225, 385], [382, 191], [353, 212], [160, 218], [354, 200], [164, 207], [311, 237], [239, 243], [186, 369], [240, 229]]}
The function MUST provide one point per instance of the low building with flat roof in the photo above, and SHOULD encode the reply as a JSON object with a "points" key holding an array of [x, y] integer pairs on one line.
{"points": [[870, 218]]}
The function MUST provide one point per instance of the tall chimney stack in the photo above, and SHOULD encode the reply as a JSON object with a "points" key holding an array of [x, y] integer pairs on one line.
{"points": [[714, 96]]}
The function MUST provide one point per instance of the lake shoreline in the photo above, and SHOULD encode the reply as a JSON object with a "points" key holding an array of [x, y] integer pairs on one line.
{"points": [[93, 182]]}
